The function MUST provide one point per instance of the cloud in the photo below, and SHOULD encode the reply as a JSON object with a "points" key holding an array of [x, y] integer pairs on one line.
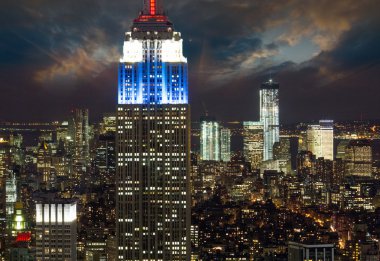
{"points": [[88, 59], [232, 46]]}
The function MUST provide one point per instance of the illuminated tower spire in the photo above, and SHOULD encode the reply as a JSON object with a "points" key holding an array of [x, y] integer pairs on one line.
{"points": [[153, 7]]}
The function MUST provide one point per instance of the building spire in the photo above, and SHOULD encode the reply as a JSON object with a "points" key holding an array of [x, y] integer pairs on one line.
{"points": [[153, 7]]}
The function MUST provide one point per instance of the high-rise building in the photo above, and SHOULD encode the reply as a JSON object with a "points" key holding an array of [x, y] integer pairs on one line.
{"points": [[108, 125], [225, 144], [210, 139], [11, 193], [253, 139], [44, 165], [320, 139], [305, 163], [269, 116], [358, 158], [153, 142], [79, 130], [56, 230]]}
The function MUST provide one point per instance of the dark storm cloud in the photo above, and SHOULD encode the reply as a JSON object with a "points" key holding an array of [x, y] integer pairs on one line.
{"points": [[55, 55]]}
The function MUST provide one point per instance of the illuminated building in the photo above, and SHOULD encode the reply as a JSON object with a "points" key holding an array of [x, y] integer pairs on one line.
{"points": [[341, 149], [253, 135], [358, 158], [18, 221], [56, 230], [109, 123], [225, 144], [305, 163], [324, 171], [4, 156], [358, 194], [298, 251], [10, 193], [153, 142], [210, 139], [44, 165], [320, 139], [80, 133], [105, 159], [269, 116]]}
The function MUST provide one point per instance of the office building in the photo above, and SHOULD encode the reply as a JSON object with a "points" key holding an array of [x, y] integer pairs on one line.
{"points": [[225, 144], [56, 230], [210, 139], [269, 116], [320, 139], [253, 139], [44, 165], [10, 193], [80, 133], [358, 158], [153, 142]]}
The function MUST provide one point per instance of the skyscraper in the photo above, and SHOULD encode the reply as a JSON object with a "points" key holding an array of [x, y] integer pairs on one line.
{"points": [[320, 139], [358, 158], [153, 142], [269, 116], [225, 144], [80, 134], [56, 230], [210, 139], [253, 139]]}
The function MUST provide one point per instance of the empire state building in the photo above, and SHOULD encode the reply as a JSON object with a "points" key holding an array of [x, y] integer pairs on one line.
{"points": [[153, 142]]}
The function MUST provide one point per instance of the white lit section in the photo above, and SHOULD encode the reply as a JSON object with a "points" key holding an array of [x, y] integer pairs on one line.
{"points": [[38, 213], [46, 213], [53, 214], [70, 213], [132, 51], [172, 51], [59, 213]]}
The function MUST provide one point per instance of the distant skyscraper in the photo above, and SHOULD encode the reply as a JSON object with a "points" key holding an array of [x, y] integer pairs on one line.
{"points": [[56, 230], [225, 144], [358, 158], [269, 116], [44, 165], [80, 135], [210, 139], [320, 139], [11, 193], [153, 142], [253, 135]]}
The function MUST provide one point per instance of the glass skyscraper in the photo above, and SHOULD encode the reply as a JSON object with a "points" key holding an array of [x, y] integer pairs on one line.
{"points": [[210, 139], [253, 139], [153, 142], [269, 116], [225, 144], [320, 139]]}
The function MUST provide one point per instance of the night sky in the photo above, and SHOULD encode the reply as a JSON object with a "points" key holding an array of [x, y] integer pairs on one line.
{"points": [[59, 54]]}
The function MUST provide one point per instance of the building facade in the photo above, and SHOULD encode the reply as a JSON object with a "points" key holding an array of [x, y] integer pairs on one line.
{"points": [[210, 139], [225, 144], [56, 230], [320, 139], [358, 158], [270, 116], [153, 142], [80, 134], [253, 139]]}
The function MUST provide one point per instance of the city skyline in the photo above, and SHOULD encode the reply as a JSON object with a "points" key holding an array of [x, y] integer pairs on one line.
{"points": [[326, 52], [191, 162]]}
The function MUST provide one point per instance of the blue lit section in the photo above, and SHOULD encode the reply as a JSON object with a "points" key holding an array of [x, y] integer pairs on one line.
{"points": [[153, 72]]}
